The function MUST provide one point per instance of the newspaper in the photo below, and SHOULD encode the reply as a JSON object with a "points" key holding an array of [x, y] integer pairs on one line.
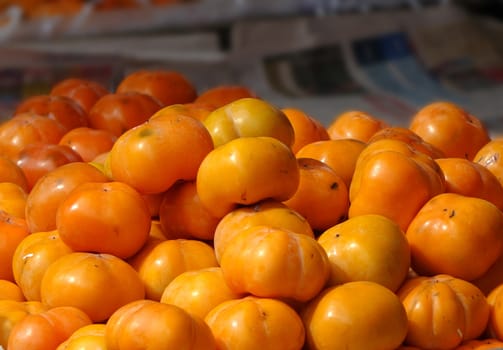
{"points": [[388, 63]]}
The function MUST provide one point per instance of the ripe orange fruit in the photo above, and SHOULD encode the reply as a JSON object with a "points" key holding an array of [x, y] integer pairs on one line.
{"points": [[83, 91], [221, 95], [166, 86], [322, 197], [119, 112], [306, 128], [355, 124], [450, 128]]}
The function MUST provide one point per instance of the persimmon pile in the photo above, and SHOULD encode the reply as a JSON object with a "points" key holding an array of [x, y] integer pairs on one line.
{"points": [[155, 216]]}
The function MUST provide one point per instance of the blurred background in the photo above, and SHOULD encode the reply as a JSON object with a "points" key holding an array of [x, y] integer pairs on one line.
{"points": [[387, 57]]}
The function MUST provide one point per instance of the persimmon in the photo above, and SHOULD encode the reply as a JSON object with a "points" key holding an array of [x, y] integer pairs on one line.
{"points": [[471, 179], [32, 257], [450, 128], [399, 133], [341, 155], [495, 322], [60, 108], [355, 124], [148, 324], [13, 230], [220, 95], [13, 199], [252, 168], [252, 323], [10, 291], [489, 156], [492, 278], [272, 262], [350, 316], [44, 198], [154, 155], [451, 230], [248, 117], [47, 329], [199, 291], [322, 196], [11, 172], [90, 336], [104, 217], [88, 142], [12, 312], [367, 248], [267, 212], [167, 86], [394, 184], [119, 112], [183, 216], [194, 110], [157, 264], [443, 311], [306, 128], [26, 129], [37, 159], [83, 91], [98, 284]]}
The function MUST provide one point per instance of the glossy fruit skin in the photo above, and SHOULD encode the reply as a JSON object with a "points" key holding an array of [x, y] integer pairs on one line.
{"points": [[60, 108], [160, 262], [88, 142], [221, 95], [443, 311], [13, 199], [450, 128], [306, 128], [36, 160], [198, 291], [83, 91], [12, 312], [97, 217], [167, 86], [119, 112], [154, 155], [253, 169], [322, 196], [98, 284], [26, 129], [495, 323], [13, 230], [270, 262], [10, 291], [471, 179], [248, 117], [266, 212], [367, 248], [355, 124], [32, 257], [182, 214], [86, 338], [256, 323], [489, 156], [408, 136], [393, 184], [44, 198], [48, 329], [10, 172], [451, 230], [350, 316], [341, 155], [143, 324]]}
